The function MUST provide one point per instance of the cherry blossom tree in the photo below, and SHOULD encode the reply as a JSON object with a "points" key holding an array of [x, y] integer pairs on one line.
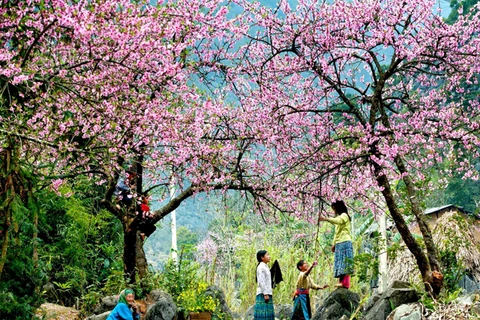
{"points": [[331, 100], [98, 87], [355, 99]]}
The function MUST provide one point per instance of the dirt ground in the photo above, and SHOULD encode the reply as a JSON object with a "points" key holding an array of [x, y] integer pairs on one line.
{"points": [[50, 311]]}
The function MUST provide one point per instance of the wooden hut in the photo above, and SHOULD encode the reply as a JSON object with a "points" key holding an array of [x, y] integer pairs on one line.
{"points": [[453, 230]]}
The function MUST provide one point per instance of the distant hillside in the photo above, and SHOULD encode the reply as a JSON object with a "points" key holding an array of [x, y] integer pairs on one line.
{"points": [[195, 214]]}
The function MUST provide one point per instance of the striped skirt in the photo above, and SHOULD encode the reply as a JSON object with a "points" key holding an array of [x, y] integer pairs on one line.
{"points": [[263, 310], [301, 308], [343, 263]]}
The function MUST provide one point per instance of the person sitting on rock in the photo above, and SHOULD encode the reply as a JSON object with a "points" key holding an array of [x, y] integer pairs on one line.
{"points": [[126, 309]]}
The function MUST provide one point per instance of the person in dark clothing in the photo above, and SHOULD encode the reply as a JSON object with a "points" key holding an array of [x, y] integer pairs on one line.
{"points": [[123, 189], [276, 273]]}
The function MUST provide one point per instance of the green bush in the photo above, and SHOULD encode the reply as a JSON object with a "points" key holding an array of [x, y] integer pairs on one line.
{"points": [[21, 278]]}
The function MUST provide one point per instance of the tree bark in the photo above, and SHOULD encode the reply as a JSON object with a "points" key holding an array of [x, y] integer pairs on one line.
{"points": [[134, 259], [5, 208], [429, 278], [129, 252], [424, 228], [140, 258]]}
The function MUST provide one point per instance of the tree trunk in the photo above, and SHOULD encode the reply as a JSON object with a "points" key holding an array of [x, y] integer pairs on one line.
{"points": [[5, 208], [140, 258], [129, 252], [429, 278], [424, 227], [133, 254]]}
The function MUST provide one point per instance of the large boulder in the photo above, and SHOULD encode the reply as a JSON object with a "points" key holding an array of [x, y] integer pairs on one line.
{"points": [[249, 313], [283, 311], [411, 311], [106, 304], [469, 299], [102, 316], [161, 306], [469, 283], [341, 302], [380, 306], [216, 293]]}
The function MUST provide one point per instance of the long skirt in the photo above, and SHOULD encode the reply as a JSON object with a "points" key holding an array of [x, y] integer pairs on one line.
{"points": [[301, 308], [343, 263], [263, 310]]}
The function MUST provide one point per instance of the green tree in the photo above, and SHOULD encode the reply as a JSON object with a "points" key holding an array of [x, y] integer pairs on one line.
{"points": [[466, 5]]}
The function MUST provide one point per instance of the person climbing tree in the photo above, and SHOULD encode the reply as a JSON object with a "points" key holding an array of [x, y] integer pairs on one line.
{"points": [[144, 216], [123, 189]]}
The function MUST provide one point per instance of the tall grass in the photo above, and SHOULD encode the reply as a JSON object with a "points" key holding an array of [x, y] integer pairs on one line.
{"points": [[288, 243]]}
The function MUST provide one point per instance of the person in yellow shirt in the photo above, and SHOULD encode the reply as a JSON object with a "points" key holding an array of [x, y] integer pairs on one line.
{"points": [[301, 307], [342, 243]]}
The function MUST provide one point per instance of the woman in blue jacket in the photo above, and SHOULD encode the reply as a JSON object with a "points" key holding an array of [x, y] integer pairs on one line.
{"points": [[125, 309]]}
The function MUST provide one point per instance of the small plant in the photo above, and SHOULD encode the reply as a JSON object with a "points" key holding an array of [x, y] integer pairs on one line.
{"points": [[194, 299]]}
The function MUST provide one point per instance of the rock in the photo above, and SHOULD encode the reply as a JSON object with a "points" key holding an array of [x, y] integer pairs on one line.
{"points": [[397, 284], [217, 293], [411, 311], [469, 299], [102, 316], [381, 306], [283, 311], [475, 310], [341, 302], [249, 313], [163, 307], [106, 304], [371, 301], [469, 283], [157, 295]]}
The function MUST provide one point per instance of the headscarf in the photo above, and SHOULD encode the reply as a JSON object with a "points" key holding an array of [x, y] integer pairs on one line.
{"points": [[122, 297]]}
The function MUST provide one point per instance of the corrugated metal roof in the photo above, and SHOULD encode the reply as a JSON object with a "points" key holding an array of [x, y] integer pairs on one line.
{"points": [[432, 210]]}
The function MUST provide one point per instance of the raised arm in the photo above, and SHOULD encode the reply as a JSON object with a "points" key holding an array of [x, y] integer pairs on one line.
{"points": [[310, 269], [336, 220]]}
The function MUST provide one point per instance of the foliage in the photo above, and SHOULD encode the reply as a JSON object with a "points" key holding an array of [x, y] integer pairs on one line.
{"points": [[366, 267], [354, 107], [184, 282], [21, 279], [194, 299], [89, 243], [228, 252], [452, 270]]}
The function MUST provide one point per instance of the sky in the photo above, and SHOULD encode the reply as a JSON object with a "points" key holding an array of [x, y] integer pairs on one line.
{"points": [[444, 5]]}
